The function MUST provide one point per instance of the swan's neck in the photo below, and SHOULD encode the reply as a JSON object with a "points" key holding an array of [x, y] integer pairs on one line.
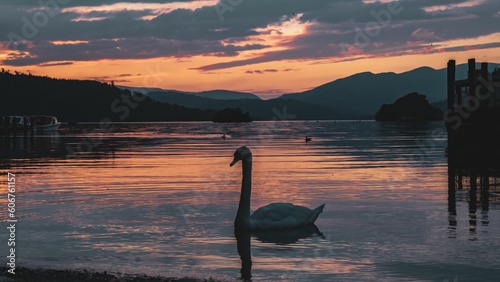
{"points": [[242, 220]]}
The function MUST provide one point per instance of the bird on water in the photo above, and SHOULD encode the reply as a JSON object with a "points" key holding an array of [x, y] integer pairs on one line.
{"points": [[273, 216]]}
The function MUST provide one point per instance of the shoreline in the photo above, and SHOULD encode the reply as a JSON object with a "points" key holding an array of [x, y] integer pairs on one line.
{"points": [[54, 275]]}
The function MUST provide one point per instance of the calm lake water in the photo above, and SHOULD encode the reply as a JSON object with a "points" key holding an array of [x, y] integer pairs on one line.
{"points": [[160, 199]]}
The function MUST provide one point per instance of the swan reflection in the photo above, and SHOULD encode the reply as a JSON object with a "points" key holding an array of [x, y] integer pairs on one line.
{"points": [[278, 237]]}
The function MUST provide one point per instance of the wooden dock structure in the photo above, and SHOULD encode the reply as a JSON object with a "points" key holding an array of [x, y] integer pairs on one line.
{"points": [[473, 114], [473, 124], [473, 108]]}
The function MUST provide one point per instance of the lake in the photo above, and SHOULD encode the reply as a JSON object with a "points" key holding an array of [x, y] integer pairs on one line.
{"points": [[160, 199]]}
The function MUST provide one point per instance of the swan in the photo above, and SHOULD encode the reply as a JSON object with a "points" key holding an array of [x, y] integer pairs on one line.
{"points": [[273, 216]]}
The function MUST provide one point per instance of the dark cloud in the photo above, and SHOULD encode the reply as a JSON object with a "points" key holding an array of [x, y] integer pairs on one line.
{"points": [[129, 48], [339, 27], [263, 71], [56, 64], [334, 34]]}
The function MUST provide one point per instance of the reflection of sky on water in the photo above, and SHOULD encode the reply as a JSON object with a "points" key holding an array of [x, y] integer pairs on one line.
{"points": [[161, 198]]}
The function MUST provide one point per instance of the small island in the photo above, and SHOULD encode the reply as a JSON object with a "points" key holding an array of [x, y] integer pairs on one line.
{"points": [[231, 115], [411, 107]]}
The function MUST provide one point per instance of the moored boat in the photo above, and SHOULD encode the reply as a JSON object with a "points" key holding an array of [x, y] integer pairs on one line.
{"points": [[45, 123]]}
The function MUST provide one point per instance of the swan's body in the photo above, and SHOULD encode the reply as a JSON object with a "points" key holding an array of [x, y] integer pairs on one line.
{"points": [[283, 216], [273, 216]]}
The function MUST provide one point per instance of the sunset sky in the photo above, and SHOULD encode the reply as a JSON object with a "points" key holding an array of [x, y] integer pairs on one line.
{"points": [[265, 47]]}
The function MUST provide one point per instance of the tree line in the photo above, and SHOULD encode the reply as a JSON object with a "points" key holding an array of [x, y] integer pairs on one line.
{"points": [[85, 100]]}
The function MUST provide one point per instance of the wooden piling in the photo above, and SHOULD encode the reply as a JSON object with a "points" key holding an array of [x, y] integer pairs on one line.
{"points": [[472, 146], [451, 84], [484, 91], [484, 70], [473, 204], [452, 208], [458, 93], [485, 190], [471, 76]]}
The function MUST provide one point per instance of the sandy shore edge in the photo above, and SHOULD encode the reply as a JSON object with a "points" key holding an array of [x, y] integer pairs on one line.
{"points": [[52, 275]]}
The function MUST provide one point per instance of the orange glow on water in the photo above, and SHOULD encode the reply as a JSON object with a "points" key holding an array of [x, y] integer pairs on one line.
{"points": [[164, 193]]}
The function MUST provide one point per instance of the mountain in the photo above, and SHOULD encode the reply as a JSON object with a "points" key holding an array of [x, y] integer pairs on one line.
{"points": [[355, 97], [363, 93], [258, 109], [182, 99], [225, 95], [143, 90], [213, 94]]}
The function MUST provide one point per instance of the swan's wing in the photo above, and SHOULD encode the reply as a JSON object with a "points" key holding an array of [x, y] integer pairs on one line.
{"points": [[282, 215], [279, 211]]}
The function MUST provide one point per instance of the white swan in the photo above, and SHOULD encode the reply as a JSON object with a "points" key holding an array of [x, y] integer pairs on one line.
{"points": [[270, 217]]}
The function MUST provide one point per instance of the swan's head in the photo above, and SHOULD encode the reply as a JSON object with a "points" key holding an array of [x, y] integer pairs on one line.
{"points": [[243, 154]]}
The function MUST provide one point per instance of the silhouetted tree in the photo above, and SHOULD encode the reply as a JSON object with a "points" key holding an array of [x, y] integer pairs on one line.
{"points": [[231, 115], [413, 106]]}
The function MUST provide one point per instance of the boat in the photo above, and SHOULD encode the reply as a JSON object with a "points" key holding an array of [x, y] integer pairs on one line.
{"points": [[39, 123], [45, 123]]}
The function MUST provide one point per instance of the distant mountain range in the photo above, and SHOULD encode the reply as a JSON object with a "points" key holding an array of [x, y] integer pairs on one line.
{"points": [[217, 94], [257, 108], [355, 97]]}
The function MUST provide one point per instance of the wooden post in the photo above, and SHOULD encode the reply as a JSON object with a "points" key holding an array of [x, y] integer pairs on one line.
{"points": [[485, 192], [451, 189], [451, 84], [451, 101], [484, 70], [473, 204], [471, 76], [484, 91], [458, 95], [452, 205]]}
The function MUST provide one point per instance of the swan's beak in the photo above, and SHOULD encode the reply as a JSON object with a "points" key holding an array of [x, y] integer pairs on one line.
{"points": [[235, 160]]}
